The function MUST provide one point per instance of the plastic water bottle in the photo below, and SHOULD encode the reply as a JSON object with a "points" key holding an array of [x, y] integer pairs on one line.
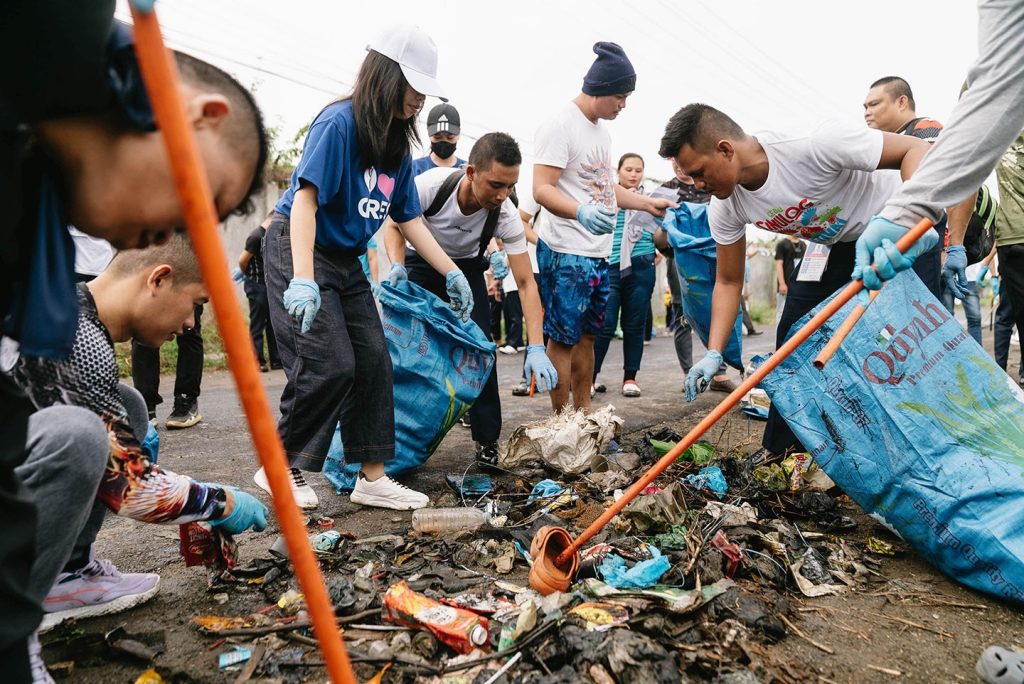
{"points": [[447, 519]]}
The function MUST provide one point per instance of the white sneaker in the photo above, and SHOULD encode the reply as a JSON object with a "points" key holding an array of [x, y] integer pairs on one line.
{"points": [[97, 589], [40, 675], [304, 495], [386, 493], [630, 389], [508, 349]]}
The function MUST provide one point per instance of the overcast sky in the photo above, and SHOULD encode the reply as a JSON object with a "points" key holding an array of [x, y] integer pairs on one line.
{"points": [[770, 65]]}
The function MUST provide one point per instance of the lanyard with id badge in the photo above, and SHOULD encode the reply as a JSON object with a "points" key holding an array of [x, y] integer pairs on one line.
{"points": [[812, 266]]}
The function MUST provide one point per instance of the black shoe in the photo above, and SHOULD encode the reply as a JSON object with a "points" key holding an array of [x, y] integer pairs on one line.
{"points": [[754, 333], [276, 365], [521, 390], [264, 368], [464, 421], [185, 414], [487, 454]]}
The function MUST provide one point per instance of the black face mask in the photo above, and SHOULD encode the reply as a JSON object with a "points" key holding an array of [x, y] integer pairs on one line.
{"points": [[442, 148]]}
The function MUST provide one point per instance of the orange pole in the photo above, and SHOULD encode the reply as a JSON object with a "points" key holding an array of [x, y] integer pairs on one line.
{"points": [[703, 426], [161, 77], [829, 350]]}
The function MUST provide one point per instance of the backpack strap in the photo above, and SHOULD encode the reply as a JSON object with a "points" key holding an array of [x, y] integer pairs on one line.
{"points": [[490, 226], [444, 192]]}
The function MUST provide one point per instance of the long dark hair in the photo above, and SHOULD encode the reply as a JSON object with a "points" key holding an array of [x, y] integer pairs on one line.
{"points": [[379, 93]]}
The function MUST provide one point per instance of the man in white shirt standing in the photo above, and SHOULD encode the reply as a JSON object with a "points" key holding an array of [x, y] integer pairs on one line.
{"points": [[820, 187], [576, 189]]}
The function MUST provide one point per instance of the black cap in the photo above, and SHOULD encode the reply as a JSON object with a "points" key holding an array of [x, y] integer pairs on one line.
{"points": [[443, 119]]}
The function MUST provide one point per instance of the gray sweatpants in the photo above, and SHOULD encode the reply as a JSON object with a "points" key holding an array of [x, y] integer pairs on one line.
{"points": [[68, 450], [988, 117]]}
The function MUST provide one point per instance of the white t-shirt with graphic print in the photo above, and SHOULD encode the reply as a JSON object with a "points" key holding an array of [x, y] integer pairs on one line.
{"points": [[459, 235], [583, 150], [822, 187]]}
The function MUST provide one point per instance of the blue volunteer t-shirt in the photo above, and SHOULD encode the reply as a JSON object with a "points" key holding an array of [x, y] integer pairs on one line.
{"points": [[426, 163], [352, 202]]}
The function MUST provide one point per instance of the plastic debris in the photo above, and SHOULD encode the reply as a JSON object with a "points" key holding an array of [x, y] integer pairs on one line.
{"points": [[571, 442], [711, 478], [325, 542], [882, 548], [598, 617], [474, 486], [457, 628], [771, 477], [644, 574], [700, 453], [657, 512], [732, 552], [236, 657]]}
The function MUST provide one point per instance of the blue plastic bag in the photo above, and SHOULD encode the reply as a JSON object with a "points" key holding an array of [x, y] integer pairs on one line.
{"points": [[711, 478], [917, 424], [696, 261], [642, 575], [441, 365]]}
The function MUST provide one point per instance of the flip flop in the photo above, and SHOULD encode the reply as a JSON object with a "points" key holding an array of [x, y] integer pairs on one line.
{"points": [[998, 665]]}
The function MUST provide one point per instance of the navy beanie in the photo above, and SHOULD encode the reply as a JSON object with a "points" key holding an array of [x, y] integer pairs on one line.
{"points": [[611, 73]]}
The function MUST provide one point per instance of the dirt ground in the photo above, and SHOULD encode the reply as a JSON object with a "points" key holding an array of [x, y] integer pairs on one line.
{"points": [[911, 624]]}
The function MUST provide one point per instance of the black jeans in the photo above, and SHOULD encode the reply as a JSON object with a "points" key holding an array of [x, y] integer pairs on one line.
{"points": [[188, 374], [485, 414], [1011, 288], [339, 370], [512, 309], [804, 296], [259, 322]]}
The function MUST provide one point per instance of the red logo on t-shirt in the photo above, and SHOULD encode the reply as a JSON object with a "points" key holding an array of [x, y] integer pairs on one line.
{"points": [[780, 220]]}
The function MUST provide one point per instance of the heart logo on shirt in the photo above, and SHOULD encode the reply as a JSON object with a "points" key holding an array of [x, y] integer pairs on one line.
{"points": [[385, 184], [370, 178]]}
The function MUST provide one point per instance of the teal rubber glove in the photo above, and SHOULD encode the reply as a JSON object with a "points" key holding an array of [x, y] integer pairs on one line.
{"points": [[954, 271], [982, 272], [237, 275], [539, 365], [597, 219], [499, 265], [877, 245], [397, 274], [248, 512], [151, 444], [302, 300], [702, 373], [459, 294], [995, 285]]}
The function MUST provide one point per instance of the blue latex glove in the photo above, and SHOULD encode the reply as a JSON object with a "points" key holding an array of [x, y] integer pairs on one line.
{"points": [[460, 294], [143, 5], [302, 300], [995, 285], [597, 219], [237, 275], [397, 274], [877, 245], [248, 512], [954, 271], [702, 373], [982, 272], [499, 265], [540, 366], [151, 444]]}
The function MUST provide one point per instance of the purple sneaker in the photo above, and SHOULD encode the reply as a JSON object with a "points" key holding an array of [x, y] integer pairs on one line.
{"points": [[96, 589]]}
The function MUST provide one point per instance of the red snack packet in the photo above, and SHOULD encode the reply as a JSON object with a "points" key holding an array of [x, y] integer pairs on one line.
{"points": [[460, 629]]}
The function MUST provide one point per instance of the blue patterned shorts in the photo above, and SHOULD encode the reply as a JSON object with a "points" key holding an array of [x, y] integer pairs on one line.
{"points": [[574, 292]]}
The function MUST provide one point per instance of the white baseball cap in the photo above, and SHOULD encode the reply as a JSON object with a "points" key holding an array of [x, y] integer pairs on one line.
{"points": [[415, 52]]}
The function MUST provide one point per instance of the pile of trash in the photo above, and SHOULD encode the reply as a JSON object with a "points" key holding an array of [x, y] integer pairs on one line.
{"points": [[692, 580]]}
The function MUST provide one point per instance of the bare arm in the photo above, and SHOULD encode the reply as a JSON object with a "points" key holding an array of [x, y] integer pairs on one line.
{"points": [[780, 277], [394, 242], [243, 260], [529, 297], [421, 239], [725, 300], [371, 259], [627, 199], [303, 231], [550, 197], [958, 218], [903, 152]]}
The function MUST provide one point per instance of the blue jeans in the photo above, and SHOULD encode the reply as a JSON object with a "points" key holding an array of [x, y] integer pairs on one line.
{"points": [[972, 308], [632, 295]]}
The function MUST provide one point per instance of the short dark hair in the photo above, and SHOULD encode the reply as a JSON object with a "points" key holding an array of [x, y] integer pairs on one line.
{"points": [[699, 126], [379, 92], [629, 155], [495, 147], [177, 253], [896, 86], [243, 127]]}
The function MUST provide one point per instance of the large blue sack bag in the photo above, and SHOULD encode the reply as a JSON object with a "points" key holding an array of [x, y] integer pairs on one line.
{"points": [[696, 260], [916, 423], [441, 365]]}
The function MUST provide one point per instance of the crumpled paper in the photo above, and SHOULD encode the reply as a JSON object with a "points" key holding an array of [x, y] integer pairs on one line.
{"points": [[571, 442]]}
